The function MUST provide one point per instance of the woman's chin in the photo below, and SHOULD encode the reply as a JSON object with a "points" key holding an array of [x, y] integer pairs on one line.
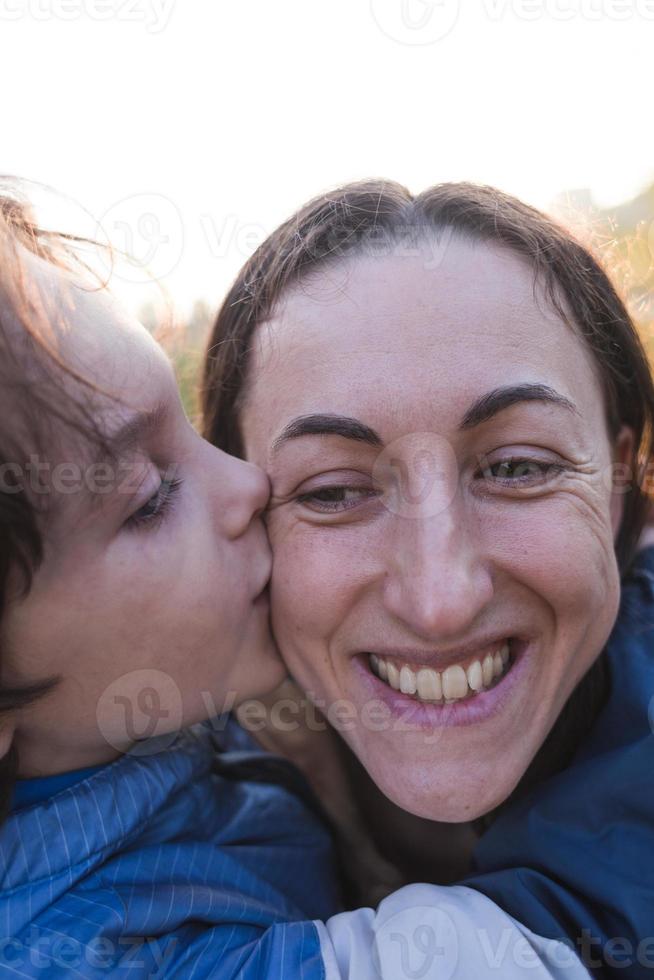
{"points": [[462, 800]]}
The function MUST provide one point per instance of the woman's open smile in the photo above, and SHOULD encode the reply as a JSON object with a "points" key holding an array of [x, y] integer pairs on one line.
{"points": [[468, 691]]}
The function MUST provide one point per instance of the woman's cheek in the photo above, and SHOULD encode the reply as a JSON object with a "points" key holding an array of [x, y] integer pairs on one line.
{"points": [[567, 562], [307, 601], [300, 586]]}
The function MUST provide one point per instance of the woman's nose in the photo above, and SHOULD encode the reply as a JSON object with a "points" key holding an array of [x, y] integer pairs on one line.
{"points": [[245, 495], [436, 582]]}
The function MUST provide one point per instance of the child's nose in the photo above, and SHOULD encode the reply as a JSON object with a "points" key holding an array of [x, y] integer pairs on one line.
{"points": [[248, 491]]}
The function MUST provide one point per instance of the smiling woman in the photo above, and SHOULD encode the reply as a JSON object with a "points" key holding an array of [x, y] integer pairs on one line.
{"points": [[443, 581], [455, 413], [442, 439]]}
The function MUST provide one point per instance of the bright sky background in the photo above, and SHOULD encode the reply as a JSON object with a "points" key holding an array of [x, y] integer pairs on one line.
{"points": [[216, 118]]}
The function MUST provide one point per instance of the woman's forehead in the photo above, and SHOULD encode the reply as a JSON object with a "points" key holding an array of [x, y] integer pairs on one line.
{"points": [[393, 332]]}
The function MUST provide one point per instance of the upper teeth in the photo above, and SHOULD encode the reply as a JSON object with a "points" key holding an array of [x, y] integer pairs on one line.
{"points": [[451, 684]]}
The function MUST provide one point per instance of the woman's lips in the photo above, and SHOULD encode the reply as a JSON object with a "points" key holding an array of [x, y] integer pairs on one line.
{"points": [[470, 708]]}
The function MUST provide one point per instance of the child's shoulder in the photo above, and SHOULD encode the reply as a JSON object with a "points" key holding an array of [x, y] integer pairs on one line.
{"points": [[184, 823]]}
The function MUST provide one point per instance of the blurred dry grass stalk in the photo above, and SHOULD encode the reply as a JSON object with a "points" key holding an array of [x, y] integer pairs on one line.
{"points": [[184, 340], [623, 239]]}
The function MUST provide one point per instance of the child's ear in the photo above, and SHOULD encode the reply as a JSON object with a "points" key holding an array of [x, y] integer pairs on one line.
{"points": [[621, 475]]}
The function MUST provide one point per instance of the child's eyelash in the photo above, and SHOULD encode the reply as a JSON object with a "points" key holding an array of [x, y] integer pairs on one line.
{"points": [[157, 507]]}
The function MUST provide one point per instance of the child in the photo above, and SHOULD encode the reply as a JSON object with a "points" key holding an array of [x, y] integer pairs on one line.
{"points": [[134, 572]]}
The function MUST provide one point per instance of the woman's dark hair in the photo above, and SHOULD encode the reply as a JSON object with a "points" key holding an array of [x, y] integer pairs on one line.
{"points": [[373, 217], [31, 390]]}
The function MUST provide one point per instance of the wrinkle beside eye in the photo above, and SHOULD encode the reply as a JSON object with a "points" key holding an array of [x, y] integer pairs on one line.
{"points": [[586, 496]]}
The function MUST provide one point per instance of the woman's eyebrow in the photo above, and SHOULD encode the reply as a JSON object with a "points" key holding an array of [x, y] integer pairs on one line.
{"points": [[488, 405], [327, 425], [483, 409]]}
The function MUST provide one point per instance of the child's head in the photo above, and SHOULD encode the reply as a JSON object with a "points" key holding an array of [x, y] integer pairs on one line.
{"points": [[132, 553]]}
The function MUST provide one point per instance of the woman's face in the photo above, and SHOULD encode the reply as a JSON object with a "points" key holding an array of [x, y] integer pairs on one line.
{"points": [[443, 516], [149, 604]]}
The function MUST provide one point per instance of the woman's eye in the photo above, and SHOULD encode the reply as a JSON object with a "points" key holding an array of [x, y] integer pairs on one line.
{"points": [[520, 472], [155, 509], [334, 499]]}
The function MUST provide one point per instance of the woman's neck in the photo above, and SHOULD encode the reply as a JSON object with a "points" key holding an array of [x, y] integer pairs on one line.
{"points": [[422, 850]]}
